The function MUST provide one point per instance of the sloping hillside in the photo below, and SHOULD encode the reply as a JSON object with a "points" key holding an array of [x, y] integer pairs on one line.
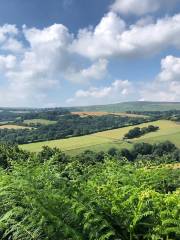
{"points": [[131, 106]]}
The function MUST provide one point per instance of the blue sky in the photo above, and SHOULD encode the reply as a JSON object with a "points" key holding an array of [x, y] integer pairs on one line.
{"points": [[74, 14], [81, 52]]}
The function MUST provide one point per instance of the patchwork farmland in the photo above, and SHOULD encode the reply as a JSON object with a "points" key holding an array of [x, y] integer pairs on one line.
{"points": [[102, 141]]}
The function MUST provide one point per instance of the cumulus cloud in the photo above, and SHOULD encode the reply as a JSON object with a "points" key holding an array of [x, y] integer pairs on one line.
{"points": [[12, 45], [8, 41], [33, 71], [7, 31], [166, 86], [102, 41], [96, 71], [33, 68], [170, 69], [140, 7], [7, 62], [119, 90], [111, 37], [37, 69], [137, 7]]}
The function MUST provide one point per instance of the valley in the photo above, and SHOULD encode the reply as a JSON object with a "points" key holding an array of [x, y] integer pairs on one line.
{"points": [[63, 168], [104, 140], [90, 120]]}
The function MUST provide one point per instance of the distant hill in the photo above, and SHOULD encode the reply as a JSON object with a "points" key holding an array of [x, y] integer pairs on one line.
{"points": [[116, 107], [131, 106]]}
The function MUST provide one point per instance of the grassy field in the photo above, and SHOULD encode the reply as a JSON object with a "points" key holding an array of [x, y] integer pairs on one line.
{"points": [[123, 114], [5, 122], [68, 144], [11, 126], [166, 128], [39, 121], [102, 141]]}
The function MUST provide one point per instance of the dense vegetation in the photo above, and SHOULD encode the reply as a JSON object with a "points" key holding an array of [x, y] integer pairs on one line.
{"points": [[19, 115], [90, 196], [58, 123], [173, 115], [149, 153], [140, 106], [67, 125], [120, 194], [137, 132]]}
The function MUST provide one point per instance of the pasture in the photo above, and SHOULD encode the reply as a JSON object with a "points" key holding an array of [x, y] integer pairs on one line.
{"points": [[39, 121], [73, 143], [102, 141], [12, 126], [4, 122], [123, 114]]}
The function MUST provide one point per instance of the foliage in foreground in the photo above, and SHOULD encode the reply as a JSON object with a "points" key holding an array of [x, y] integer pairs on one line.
{"points": [[50, 196]]}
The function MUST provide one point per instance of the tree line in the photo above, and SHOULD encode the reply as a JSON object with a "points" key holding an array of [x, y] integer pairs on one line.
{"points": [[137, 132], [68, 125], [156, 115], [18, 116]]}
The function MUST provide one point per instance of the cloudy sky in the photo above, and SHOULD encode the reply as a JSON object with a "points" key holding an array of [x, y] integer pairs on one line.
{"points": [[81, 52]]}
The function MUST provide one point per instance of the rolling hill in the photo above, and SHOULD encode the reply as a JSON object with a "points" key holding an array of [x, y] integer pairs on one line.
{"points": [[103, 141], [131, 106]]}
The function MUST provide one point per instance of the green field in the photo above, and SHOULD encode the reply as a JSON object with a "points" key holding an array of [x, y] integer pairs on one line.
{"points": [[5, 122], [122, 114], [39, 121], [12, 126], [113, 138]]}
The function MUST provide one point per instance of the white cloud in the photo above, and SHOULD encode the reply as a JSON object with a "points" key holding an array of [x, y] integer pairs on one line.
{"points": [[102, 41], [119, 90], [33, 69], [137, 7], [170, 69], [96, 71], [7, 62], [56, 35], [7, 31], [32, 72], [12, 45], [166, 86], [8, 41], [111, 37], [140, 7], [36, 69], [50, 55]]}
